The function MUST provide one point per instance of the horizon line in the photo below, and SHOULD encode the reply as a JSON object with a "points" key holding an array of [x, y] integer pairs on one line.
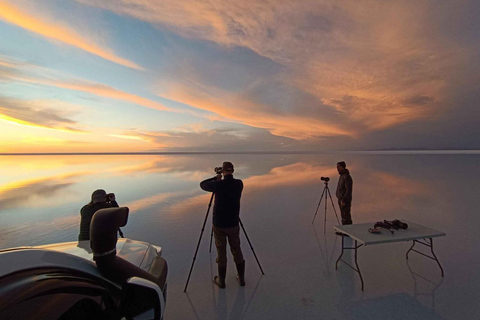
{"points": [[387, 151]]}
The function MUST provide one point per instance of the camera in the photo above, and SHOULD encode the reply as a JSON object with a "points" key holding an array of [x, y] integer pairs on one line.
{"points": [[218, 170], [326, 179], [109, 197]]}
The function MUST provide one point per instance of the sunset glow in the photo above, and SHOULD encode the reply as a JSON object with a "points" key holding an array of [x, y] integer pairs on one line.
{"points": [[149, 76]]}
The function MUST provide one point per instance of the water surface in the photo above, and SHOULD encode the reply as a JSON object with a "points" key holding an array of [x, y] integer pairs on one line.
{"points": [[40, 199]]}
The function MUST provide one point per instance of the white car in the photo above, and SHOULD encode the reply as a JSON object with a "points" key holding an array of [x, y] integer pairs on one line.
{"points": [[62, 281]]}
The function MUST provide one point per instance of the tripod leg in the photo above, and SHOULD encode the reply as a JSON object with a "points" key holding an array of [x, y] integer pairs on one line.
{"points": [[316, 211], [211, 237], [251, 245], [325, 217], [198, 244], [333, 205]]}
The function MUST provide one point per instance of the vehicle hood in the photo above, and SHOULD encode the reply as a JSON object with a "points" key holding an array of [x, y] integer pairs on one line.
{"points": [[136, 252]]}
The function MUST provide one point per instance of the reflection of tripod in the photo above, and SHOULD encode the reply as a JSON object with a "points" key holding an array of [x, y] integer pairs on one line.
{"points": [[326, 192], [200, 239]]}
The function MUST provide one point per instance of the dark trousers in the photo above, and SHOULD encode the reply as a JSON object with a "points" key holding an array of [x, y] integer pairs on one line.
{"points": [[345, 212], [233, 237]]}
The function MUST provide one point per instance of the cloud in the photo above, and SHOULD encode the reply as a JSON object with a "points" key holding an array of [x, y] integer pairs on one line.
{"points": [[35, 114], [55, 31], [233, 138], [366, 58], [251, 113], [101, 90]]}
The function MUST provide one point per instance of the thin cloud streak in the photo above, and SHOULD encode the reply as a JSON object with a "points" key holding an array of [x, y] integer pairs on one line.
{"points": [[252, 114], [35, 114], [54, 31]]}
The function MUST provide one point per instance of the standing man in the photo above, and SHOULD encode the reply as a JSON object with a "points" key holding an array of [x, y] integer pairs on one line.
{"points": [[100, 200], [344, 192], [226, 210]]}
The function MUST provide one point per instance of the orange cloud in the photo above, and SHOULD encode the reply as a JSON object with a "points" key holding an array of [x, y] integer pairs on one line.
{"points": [[35, 114], [103, 91], [381, 56], [252, 114], [54, 31]]}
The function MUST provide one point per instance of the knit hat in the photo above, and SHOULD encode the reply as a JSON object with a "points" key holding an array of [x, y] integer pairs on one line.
{"points": [[227, 166], [99, 196], [342, 164]]}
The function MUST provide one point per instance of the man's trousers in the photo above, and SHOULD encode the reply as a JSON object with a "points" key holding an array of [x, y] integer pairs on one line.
{"points": [[233, 237], [345, 212]]}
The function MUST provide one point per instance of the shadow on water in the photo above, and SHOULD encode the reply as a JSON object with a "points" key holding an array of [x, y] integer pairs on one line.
{"points": [[394, 306], [192, 306], [239, 309], [325, 256], [422, 282]]}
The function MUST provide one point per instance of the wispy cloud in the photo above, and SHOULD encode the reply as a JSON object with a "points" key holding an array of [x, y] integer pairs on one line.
{"points": [[58, 32], [35, 114], [365, 62], [232, 107], [203, 139]]}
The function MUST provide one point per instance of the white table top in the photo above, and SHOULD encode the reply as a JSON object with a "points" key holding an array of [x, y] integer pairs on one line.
{"points": [[360, 233]]}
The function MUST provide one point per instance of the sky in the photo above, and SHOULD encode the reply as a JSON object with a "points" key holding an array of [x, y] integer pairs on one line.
{"points": [[238, 76]]}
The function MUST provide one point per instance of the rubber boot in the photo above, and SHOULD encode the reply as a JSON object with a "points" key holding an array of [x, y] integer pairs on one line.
{"points": [[241, 273], [220, 279]]}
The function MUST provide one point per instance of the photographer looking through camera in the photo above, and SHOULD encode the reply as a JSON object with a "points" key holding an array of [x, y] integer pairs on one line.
{"points": [[100, 200], [226, 210]]}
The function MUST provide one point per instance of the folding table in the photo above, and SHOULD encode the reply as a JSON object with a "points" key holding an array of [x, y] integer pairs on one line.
{"points": [[359, 233]]}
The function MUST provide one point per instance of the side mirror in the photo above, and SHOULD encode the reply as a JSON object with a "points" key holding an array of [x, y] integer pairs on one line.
{"points": [[142, 299]]}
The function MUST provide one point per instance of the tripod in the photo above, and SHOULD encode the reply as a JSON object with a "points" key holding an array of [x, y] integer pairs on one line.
{"points": [[200, 239], [326, 192]]}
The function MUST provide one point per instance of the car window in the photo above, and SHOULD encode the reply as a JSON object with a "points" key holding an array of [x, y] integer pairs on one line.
{"points": [[56, 294]]}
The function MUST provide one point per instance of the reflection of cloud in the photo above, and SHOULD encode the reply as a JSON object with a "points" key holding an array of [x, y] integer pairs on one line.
{"points": [[279, 177], [290, 175], [19, 193], [57, 32], [150, 201], [34, 114]]}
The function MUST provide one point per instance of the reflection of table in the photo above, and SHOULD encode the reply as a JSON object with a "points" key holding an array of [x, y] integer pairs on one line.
{"points": [[359, 233]]}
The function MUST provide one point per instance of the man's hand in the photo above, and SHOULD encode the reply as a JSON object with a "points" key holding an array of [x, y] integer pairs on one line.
{"points": [[218, 177], [342, 204], [111, 197]]}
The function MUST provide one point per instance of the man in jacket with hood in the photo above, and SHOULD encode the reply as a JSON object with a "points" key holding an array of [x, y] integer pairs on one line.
{"points": [[344, 192]]}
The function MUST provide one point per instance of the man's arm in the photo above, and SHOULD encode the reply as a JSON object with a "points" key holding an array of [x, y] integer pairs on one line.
{"points": [[348, 190], [208, 185]]}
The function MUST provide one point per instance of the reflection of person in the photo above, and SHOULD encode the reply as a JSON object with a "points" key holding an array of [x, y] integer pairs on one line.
{"points": [[344, 192], [100, 200], [226, 210]]}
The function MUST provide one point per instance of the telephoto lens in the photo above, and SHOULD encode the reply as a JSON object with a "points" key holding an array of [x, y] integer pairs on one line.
{"points": [[326, 179]]}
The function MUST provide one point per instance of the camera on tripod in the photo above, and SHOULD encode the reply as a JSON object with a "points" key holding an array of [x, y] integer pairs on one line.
{"points": [[218, 170], [326, 179]]}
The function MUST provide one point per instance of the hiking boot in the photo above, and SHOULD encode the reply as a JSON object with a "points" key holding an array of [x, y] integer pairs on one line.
{"points": [[241, 273], [220, 279]]}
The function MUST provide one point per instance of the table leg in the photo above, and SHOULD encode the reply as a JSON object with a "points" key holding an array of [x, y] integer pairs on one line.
{"points": [[357, 269], [427, 244]]}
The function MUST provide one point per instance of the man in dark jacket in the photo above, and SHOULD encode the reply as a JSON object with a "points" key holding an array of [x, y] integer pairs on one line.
{"points": [[100, 200], [226, 210], [344, 192]]}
